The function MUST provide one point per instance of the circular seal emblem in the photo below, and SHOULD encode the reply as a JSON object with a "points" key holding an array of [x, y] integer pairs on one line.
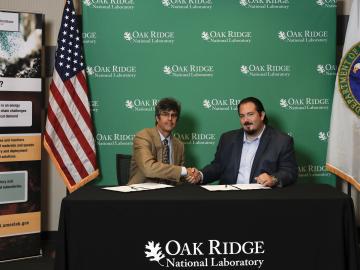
{"points": [[349, 78]]}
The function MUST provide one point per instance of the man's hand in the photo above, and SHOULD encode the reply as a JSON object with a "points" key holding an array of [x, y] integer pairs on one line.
{"points": [[265, 180], [193, 175]]}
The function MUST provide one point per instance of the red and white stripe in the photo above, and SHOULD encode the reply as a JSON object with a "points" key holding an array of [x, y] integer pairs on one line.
{"points": [[68, 135]]}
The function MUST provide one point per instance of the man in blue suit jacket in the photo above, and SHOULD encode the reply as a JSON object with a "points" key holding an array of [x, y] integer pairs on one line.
{"points": [[256, 153]]}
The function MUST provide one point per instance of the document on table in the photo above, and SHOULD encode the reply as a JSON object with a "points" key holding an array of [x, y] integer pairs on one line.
{"points": [[138, 187], [234, 187]]}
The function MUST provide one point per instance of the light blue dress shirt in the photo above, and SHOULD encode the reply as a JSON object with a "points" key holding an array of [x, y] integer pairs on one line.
{"points": [[247, 158]]}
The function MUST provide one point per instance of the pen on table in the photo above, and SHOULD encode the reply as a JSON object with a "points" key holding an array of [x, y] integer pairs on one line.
{"points": [[139, 188], [236, 187]]}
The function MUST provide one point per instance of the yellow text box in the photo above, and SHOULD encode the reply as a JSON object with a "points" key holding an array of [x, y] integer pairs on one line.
{"points": [[18, 224], [20, 147]]}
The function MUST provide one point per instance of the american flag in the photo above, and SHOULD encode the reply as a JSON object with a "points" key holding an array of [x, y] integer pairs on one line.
{"points": [[68, 136]]}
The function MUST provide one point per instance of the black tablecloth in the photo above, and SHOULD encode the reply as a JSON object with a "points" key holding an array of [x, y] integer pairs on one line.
{"points": [[298, 227]]}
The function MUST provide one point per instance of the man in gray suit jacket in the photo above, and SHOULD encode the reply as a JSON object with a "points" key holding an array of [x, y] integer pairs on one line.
{"points": [[256, 153]]}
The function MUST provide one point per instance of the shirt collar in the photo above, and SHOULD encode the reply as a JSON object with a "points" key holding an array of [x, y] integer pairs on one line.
{"points": [[245, 140], [162, 137]]}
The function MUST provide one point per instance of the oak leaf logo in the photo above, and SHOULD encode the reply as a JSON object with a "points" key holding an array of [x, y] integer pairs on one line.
{"points": [[244, 69], [129, 104], [206, 104], [205, 36], [166, 3], [153, 252], [320, 69], [282, 35], [127, 36], [167, 70], [244, 3], [90, 70], [283, 103], [323, 136]]}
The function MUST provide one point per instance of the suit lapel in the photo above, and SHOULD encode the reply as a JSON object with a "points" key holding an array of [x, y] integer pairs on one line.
{"points": [[238, 145], [157, 143], [264, 141], [175, 150]]}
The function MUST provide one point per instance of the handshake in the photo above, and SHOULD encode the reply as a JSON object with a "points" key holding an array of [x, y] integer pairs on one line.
{"points": [[193, 175]]}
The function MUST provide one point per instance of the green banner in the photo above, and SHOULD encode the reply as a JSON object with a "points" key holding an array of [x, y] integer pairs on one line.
{"points": [[209, 54]]}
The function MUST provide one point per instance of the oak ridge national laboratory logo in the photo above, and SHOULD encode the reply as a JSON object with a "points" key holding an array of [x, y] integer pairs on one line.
{"points": [[326, 3], [196, 138], [265, 4], [107, 139], [349, 78], [149, 37], [89, 38], [110, 4], [216, 104], [304, 104], [188, 4], [323, 136], [189, 71], [210, 253], [114, 71], [141, 105], [228, 36], [313, 170], [326, 69], [306, 36], [266, 70]]}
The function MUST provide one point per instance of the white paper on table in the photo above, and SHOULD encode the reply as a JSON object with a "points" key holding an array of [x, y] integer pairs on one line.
{"points": [[120, 188], [138, 187], [234, 187], [250, 186], [219, 187]]}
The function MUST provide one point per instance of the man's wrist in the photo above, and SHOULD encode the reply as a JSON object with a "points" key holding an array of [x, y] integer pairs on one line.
{"points": [[201, 177], [275, 180], [183, 171]]}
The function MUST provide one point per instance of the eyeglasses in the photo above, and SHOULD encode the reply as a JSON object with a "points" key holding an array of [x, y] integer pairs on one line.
{"points": [[169, 115]]}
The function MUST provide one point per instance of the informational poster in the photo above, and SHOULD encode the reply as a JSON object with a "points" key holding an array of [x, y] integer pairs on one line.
{"points": [[209, 55], [21, 102]]}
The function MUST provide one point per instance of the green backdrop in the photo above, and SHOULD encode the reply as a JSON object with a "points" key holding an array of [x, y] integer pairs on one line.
{"points": [[209, 55]]}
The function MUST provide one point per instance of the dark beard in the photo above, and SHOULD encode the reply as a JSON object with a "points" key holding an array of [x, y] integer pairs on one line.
{"points": [[250, 132]]}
